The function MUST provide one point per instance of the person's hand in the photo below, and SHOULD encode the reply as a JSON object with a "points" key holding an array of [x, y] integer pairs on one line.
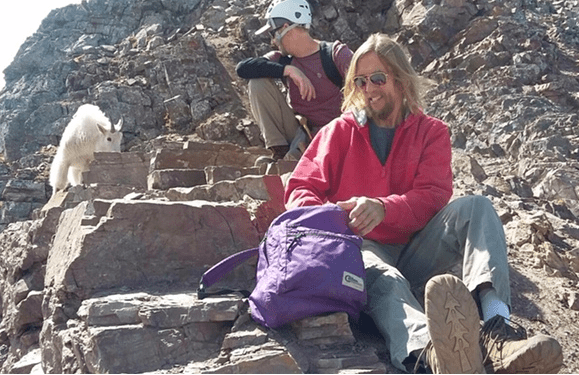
{"points": [[364, 213], [307, 90]]}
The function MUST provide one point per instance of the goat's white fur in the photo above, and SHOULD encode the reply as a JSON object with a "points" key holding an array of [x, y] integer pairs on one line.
{"points": [[88, 132]]}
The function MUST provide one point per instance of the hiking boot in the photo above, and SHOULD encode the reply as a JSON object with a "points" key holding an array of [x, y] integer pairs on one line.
{"points": [[508, 350], [263, 160], [453, 324], [421, 365], [278, 152], [298, 146]]}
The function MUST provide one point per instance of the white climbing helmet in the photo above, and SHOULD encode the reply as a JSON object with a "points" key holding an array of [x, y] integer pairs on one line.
{"points": [[281, 11]]}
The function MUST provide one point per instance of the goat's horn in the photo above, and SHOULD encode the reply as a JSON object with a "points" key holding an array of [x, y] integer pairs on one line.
{"points": [[119, 125]]}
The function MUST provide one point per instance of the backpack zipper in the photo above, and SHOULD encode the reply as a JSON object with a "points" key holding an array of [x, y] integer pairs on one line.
{"points": [[320, 234], [294, 240]]}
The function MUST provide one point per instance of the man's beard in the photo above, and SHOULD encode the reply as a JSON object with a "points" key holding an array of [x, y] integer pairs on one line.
{"points": [[383, 113]]}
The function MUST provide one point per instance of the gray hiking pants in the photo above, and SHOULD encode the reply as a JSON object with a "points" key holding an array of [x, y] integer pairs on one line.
{"points": [[467, 230], [275, 118]]}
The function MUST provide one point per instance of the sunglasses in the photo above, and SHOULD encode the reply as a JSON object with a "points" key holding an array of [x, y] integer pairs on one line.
{"points": [[275, 26], [273, 32], [378, 79]]}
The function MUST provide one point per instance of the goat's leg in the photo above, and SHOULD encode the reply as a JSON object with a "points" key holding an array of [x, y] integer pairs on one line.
{"points": [[58, 173], [75, 176]]}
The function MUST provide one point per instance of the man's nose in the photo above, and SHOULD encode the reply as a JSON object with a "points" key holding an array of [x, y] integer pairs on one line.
{"points": [[366, 87]]}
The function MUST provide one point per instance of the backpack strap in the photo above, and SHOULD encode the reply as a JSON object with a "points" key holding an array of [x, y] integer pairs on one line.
{"points": [[330, 68], [326, 54], [216, 273], [285, 60]]}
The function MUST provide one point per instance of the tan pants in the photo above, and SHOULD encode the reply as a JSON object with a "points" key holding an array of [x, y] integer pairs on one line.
{"points": [[275, 118]]}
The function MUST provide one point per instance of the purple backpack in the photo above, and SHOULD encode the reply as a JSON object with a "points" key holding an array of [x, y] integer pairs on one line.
{"points": [[309, 264]]}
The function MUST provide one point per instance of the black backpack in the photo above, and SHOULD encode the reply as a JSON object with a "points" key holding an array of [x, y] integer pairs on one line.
{"points": [[326, 52]]}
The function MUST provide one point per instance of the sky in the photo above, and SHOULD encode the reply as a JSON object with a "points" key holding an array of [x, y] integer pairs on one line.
{"points": [[18, 20]]}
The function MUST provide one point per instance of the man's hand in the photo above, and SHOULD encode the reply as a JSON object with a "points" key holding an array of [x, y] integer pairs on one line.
{"points": [[365, 213], [307, 90]]}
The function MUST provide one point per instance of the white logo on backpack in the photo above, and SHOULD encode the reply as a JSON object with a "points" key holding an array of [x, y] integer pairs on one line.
{"points": [[352, 281]]}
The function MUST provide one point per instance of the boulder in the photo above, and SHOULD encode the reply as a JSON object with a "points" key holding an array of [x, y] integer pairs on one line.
{"points": [[132, 243], [118, 168]]}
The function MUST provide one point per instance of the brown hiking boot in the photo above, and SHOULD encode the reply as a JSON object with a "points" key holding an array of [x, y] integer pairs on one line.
{"points": [[453, 324], [508, 350], [425, 362], [278, 152]]}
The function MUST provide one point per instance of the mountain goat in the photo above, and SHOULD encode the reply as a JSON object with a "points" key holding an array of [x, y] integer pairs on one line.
{"points": [[88, 132]]}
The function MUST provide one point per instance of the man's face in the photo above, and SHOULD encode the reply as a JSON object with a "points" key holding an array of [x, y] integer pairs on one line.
{"points": [[278, 36], [373, 79]]}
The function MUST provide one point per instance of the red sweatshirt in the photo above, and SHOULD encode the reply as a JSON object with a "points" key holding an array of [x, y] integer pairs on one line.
{"points": [[414, 184]]}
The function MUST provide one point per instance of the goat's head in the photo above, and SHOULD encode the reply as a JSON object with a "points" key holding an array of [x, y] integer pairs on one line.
{"points": [[110, 137]]}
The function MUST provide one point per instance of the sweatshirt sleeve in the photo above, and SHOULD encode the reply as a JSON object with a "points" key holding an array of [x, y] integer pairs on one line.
{"points": [[431, 187], [310, 182], [342, 57], [259, 67], [267, 66]]}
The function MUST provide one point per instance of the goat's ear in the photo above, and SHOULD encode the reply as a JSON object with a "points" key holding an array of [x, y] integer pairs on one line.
{"points": [[101, 128], [119, 125]]}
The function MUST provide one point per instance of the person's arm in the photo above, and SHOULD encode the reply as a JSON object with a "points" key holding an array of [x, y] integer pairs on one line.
{"points": [[268, 67], [259, 67], [307, 89], [431, 187], [310, 182], [342, 56]]}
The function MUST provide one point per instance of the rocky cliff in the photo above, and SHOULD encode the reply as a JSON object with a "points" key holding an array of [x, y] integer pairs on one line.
{"points": [[102, 278]]}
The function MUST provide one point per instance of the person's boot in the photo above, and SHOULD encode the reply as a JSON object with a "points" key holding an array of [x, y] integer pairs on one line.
{"points": [[298, 146], [453, 324], [508, 350], [278, 152]]}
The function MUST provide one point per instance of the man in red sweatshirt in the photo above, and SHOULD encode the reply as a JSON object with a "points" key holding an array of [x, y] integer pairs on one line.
{"points": [[389, 165]]}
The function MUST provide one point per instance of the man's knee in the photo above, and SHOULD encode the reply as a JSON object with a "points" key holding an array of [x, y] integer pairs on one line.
{"points": [[477, 203], [385, 280], [260, 86]]}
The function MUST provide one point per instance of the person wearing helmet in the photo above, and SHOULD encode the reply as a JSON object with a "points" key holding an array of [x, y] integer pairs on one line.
{"points": [[312, 95]]}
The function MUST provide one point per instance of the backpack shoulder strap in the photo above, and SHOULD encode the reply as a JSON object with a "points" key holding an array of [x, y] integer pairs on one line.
{"points": [[216, 273], [326, 54], [285, 60]]}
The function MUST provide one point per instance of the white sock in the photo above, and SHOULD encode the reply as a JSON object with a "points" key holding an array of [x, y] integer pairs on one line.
{"points": [[491, 305]]}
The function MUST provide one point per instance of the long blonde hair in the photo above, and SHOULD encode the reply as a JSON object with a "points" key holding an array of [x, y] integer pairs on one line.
{"points": [[392, 56]]}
